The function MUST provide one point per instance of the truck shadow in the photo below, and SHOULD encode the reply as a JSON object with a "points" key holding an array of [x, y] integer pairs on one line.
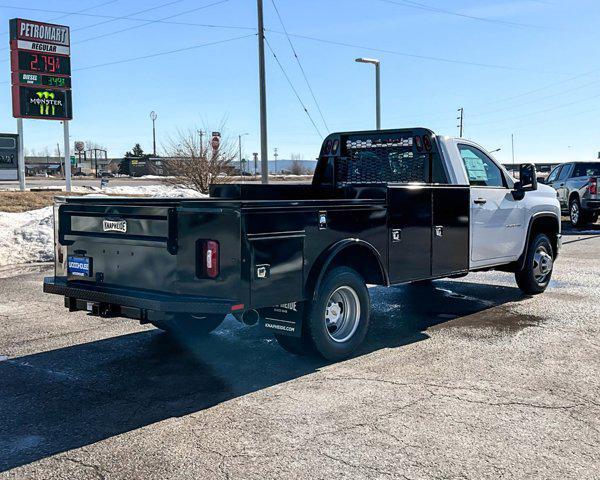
{"points": [[71, 397]]}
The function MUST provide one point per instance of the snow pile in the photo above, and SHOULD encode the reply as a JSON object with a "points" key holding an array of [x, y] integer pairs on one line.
{"points": [[148, 190], [28, 237]]}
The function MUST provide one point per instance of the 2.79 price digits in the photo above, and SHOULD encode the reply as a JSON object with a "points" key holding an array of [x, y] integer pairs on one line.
{"points": [[44, 63]]}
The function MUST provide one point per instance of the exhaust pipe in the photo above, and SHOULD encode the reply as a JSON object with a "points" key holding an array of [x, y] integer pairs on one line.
{"points": [[250, 317]]}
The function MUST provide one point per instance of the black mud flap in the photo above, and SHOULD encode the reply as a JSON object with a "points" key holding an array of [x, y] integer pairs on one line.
{"points": [[285, 319]]}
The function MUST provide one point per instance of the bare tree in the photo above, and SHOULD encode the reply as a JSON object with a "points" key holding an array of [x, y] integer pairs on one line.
{"points": [[91, 144], [296, 168], [193, 163]]}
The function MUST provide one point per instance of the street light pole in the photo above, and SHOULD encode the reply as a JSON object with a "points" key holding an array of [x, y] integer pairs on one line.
{"points": [[264, 152], [240, 150], [377, 63], [153, 116]]}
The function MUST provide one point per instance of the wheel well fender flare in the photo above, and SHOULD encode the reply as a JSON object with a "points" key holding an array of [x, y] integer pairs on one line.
{"points": [[572, 195], [327, 257], [532, 220]]}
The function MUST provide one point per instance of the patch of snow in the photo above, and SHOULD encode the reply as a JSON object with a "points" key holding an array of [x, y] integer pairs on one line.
{"points": [[162, 191], [154, 177], [28, 237]]}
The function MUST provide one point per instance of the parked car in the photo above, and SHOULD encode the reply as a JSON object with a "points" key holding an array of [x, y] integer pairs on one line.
{"points": [[385, 207], [576, 184]]}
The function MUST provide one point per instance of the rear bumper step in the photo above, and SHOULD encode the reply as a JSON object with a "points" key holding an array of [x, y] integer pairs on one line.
{"points": [[109, 301]]}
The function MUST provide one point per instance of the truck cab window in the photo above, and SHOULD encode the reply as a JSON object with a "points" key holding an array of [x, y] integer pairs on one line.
{"points": [[481, 169], [389, 158], [553, 174], [565, 172], [587, 170]]}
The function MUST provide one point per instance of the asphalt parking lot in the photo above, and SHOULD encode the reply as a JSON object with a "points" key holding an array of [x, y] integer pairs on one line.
{"points": [[468, 379]]}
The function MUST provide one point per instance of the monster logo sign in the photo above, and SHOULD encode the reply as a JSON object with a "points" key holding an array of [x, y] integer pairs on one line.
{"points": [[46, 102], [43, 103]]}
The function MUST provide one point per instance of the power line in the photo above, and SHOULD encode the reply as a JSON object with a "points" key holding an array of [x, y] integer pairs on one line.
{"points": [[149, 22], [293, 88], [420, 57], [131, 18], [558, 107], [557, 94], [159, 54], [68, 14], [300, 65], [430, 8], [105, 21]]}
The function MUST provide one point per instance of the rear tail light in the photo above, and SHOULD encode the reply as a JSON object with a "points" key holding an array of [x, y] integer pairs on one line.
{"points": [[418, 144], [427, 142], [593, 186], [207, 259]]}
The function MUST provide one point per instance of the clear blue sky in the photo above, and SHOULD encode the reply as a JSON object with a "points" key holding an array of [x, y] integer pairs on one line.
{"points": [[517, 66]]}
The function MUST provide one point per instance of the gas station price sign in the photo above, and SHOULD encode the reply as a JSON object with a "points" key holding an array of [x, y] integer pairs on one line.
{"points": [[41, 70], [41, 63], [45, 80]]}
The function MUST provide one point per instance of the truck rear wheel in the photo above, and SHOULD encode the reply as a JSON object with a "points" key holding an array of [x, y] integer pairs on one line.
{"points": [[189, 324], [579, 217], [535, 275], [337, 321]]}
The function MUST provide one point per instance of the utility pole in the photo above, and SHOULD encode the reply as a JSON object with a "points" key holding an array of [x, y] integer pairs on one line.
{"points": [[240, 151], [201, 133], [461, 118], [512, 144], [264, 152], [275, 155]]}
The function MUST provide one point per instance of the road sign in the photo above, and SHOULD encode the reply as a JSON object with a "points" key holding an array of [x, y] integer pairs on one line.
{"points": [[41, 70], [215, 142], [79, 146], [9, 154]]}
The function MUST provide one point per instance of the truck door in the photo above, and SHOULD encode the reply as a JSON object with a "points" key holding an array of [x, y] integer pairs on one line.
{"points": [[560, 185], [497, 219]]}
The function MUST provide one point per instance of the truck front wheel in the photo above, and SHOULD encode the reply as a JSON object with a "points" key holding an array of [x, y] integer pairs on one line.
{"points": [[337, 321], [535, 275], [189, 324]]}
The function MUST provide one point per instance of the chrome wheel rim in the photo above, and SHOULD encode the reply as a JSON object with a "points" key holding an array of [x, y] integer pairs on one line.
{"points": [[574, 213], [542, 264], [342, 314]]}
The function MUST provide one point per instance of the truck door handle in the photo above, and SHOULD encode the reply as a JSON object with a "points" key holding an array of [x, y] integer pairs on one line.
{"points": [[480, 201]]}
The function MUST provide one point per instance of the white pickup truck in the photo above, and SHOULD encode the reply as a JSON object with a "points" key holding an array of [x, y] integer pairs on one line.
{"points": [[385, 207]]}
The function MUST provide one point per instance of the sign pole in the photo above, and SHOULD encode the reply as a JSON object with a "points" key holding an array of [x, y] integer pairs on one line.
{"points": [[21, 160], [67, 157]]}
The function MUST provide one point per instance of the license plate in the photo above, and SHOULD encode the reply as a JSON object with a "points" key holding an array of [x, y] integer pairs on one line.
{"points": [[79, 266]]}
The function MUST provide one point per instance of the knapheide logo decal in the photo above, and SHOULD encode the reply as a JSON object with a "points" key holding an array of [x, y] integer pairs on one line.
{"points": [[114, 226]]}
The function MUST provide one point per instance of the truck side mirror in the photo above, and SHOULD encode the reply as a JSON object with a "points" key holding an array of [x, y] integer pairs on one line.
{"points": [[528, 177], [527, 181]]}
